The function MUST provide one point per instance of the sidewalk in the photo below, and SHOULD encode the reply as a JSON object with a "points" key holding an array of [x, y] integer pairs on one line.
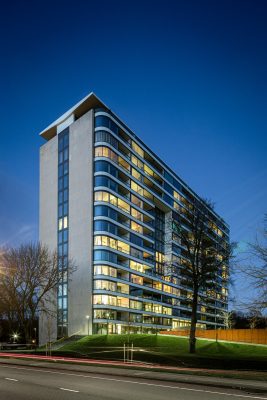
{"points": [[143, 371]]}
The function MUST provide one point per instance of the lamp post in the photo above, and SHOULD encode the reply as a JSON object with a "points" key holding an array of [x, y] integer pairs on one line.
{"points": [[15, 337], [107, 314], [88, 323]]}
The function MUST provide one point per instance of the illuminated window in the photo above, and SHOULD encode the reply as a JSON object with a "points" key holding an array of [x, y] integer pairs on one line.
{"points": [[113, 200], [157, 308], [148, 306], [136, 174], [137, 214], [137, 305], [166, 310], [105, 285], [137, 266], [112, 243], [60, 224], [137, 149], [138, 189], [148, 170], [135, 200], [167, 289], [176, 206], [105, 299], [106, 152], [137, 162], [123, 302], [105, 270], [148, 195], [157, 285], [176, 195], [123, 247], [136, 227], [159, 257], [123, 205], [137, 279], [124, 163]]}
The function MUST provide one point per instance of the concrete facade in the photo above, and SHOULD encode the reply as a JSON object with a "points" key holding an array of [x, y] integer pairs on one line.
{"points": [[48, 229], [80, 224]]}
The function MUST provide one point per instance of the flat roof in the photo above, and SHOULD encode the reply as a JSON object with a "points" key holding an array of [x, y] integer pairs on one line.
{"points": [[84, 105]]}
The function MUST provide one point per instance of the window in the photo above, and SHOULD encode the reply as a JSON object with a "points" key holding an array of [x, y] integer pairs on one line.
{"points": [[136, 227], [137, 162], [139, 280], [105, 270], [136, 174], [167, 289], [138, 189], [135, 200], [105, 299], [106, 152], [105, 285], [102, 120], [123, 205], [103, 136], [176, 195], [137, 266], [124, 164], [157, 308], [113, 243], [138, 149], [157, 285], [137, 305], [103, 255], [137, 214]]}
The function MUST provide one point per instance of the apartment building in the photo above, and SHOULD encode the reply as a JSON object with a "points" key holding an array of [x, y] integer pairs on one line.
{"points": [[105, 202]]}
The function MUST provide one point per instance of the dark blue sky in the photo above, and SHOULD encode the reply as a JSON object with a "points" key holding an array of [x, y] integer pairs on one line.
{"points": [[189, 77]]}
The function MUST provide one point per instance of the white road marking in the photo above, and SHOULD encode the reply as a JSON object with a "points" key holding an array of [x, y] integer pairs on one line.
{"points": [[142, 373], [70, 390], [136, 382], [11, 379]]}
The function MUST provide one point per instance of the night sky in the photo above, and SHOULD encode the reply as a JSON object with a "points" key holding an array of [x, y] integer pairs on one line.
{"points": [[188, 77]]}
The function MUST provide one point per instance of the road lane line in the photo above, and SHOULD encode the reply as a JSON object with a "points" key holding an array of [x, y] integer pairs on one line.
{"points": [[69, 390], [11, 379], [142, 373], [139, 383]]}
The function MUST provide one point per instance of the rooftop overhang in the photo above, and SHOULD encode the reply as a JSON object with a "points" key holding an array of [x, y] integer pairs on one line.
{"points": [[86, 104]]}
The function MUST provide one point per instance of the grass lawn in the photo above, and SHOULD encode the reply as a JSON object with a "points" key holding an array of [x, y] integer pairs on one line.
{"points": [[169, 350]]}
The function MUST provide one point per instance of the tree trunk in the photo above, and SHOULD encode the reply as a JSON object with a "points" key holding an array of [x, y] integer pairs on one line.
{"points": [[192, 336]]}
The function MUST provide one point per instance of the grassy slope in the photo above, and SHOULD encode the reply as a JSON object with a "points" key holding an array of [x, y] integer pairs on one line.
{"points": [[167, 349]]}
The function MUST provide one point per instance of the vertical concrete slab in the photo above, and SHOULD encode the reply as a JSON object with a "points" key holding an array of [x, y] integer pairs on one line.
{"points": [[48, 227], [81, 141]]}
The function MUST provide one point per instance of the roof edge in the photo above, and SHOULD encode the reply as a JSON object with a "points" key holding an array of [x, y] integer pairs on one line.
{"points": [[80, 108]]}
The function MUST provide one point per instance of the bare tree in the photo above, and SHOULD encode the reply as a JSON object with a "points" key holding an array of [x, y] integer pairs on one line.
{"points": [[28, 274], [257, 268], [227, 318], [205, 254]]}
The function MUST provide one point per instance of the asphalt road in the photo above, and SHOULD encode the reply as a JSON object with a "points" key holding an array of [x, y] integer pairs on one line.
{"points": [[35, 383]]}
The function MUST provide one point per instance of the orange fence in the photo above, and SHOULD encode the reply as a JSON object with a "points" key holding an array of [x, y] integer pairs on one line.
{"points": [[257, 336]]}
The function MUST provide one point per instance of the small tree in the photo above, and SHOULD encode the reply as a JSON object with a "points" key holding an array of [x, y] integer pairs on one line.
{"points": [[227, 318], [204, 256], [28, 274], [257, 268]]}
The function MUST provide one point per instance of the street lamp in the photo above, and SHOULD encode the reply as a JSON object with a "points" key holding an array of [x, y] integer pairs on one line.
{"points": [[15, 337], [107, 314], [88, 324]]}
